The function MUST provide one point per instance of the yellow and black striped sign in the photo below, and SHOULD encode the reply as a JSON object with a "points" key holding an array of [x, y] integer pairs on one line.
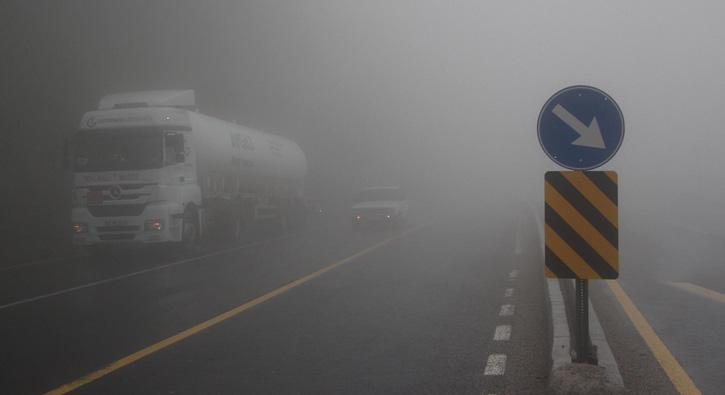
{"points": [[582, 221]]}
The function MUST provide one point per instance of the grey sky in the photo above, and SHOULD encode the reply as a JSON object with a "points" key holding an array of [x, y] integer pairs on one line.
{"points": [[442, 96]]}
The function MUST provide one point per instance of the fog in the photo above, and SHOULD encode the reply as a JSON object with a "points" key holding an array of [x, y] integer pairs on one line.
{"points": [[440, 97]]}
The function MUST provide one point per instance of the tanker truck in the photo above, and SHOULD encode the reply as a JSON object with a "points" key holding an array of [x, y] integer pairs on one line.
{"points": [[149, 168]]}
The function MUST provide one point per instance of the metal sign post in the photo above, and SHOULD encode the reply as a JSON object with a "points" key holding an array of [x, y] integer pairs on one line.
{"points": [[581, 128], [584, 352]]}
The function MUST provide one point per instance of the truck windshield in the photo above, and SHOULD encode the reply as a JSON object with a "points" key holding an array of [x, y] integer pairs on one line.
{"points": [[118, 149], [377, 195]]}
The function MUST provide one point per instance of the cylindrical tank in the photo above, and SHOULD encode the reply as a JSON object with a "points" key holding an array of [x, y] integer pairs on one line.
{"points": [[243, 159]]}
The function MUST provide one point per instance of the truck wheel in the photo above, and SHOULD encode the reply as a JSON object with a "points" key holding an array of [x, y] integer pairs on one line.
{"points": [[190, 228]]}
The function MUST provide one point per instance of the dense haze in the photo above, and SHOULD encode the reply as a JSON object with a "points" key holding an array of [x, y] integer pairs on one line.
{"points": [[441, 97]]}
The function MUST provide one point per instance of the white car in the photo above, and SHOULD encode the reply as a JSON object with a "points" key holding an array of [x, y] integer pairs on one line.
{"points": [[380, 205]]}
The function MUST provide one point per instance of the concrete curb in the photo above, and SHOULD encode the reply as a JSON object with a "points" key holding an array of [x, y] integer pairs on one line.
{"points": [[561, 338], [582, 378], [567, 377], [604, 353]]}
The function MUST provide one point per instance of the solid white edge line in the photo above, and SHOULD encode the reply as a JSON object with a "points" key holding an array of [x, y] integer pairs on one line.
{"points": [[496, 365], [144, 271], [604, 353], [38, 262], [508, 293]]}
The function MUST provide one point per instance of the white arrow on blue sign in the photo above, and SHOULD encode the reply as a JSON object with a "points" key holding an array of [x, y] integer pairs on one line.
{"points": [[580, 127]]}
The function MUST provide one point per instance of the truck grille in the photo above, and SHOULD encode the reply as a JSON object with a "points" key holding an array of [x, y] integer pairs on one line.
{"points": [[119, 228], [116, 237], [125, 187], [117, 210]]}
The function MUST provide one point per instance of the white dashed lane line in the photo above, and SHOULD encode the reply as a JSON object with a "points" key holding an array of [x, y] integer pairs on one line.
{"points": [[496, 365], [503, 333], [507, 310]]}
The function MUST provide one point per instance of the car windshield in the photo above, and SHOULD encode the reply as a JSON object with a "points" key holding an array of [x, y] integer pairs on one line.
{"points": [[118, 149], [379, 194]]}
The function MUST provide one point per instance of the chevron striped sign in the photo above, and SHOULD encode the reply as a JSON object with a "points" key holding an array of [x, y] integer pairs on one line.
{"points": [[582, 221]]}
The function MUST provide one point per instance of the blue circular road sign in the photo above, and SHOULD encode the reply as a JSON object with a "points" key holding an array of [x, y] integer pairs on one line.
{"points": [[580, 127]]}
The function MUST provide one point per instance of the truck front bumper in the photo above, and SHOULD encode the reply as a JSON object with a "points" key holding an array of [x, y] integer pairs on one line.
{"points": [[158, 223]]}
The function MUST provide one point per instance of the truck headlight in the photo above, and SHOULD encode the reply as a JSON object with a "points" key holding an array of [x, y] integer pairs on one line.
{"points": [[154, 224], [80, 227]]}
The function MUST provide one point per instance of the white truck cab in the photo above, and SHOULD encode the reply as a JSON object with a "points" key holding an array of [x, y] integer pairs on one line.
{"points": [[384, 205]]}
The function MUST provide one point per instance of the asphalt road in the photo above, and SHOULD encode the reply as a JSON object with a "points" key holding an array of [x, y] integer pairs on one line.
{"points": [[448, 304], [675, 277], [445, 305]]}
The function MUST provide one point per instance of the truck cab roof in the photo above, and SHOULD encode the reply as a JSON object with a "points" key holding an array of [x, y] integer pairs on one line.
{"points": [[161, 98]]}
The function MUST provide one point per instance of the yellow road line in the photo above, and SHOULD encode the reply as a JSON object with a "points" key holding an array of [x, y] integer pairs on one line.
{"points": [[674, 370], [701, 291], [215, 320]]}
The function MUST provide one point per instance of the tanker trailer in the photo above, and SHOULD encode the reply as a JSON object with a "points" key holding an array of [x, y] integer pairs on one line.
{"points": [[148, 168]]}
